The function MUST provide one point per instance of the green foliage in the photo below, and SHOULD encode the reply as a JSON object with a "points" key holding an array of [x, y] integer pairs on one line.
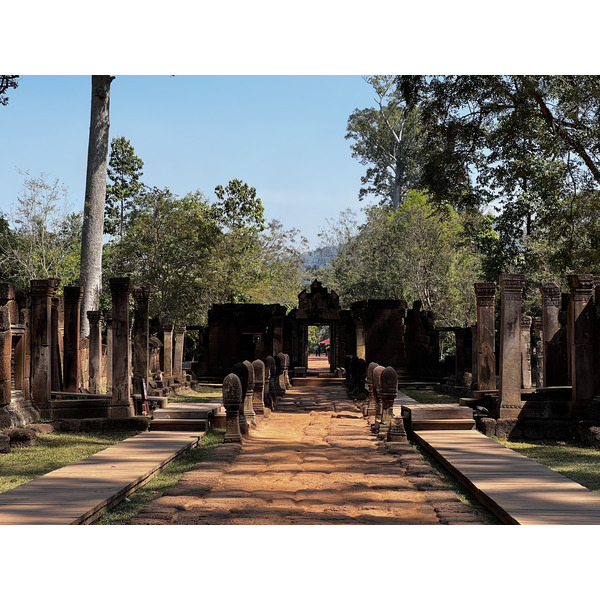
{"points": [[238, 207], [124, 187], [170, 244], [417, 252], [7, 82], [182, 248], [387, 139], [42, 242]]}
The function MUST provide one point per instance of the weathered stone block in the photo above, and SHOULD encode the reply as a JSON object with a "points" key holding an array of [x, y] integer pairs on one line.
{"points": [[21, 438], [508, 429], [487, 426], [534, 429]]}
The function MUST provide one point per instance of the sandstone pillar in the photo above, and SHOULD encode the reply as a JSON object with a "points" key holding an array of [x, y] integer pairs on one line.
{"points": [[141, 335], [121, 405], [526, 351], [109, 352], [42, 291], [511, 295], [485, 343], [168, 350], [95, 353], [72, 359], [178, 353], [581, 336], [538, 329], [555, 369], [5, 367], [56, 382]]}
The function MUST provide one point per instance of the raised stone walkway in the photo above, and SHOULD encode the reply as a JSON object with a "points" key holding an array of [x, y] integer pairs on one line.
{"points": [[313, 461]]}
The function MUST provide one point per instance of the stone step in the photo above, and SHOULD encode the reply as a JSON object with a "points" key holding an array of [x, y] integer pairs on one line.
{"points": [[443, 424], [179, 425], [429, 412], [318, 381], [179, 413]]}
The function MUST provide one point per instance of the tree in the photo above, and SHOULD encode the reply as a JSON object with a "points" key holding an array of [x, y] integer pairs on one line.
{"points": [[7, 82], [95, 195], [171, 244], [238, 207], [240, 212], [505, 137], [124, 172], [387, 139], [414, 253], [42, 242]]}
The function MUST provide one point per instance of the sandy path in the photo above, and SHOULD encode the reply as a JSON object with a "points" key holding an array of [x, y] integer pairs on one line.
{"points": [[313, 461]]}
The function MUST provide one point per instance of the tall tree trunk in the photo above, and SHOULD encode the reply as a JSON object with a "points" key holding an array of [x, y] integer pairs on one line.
{"points": [[95, 196]]}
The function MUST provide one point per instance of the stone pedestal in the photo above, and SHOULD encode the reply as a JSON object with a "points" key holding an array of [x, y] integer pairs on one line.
{"points": [[526, 352], [72, 357], [509, 387], [581, 336], [270, 370], [141, 335], [377, 371], [259, 387], [485, 343], [178, 353], [232, 401], [42, 291], [168, 350], [371, 410], [121, 405], [95, 351], [249, 397], [389, 390]]}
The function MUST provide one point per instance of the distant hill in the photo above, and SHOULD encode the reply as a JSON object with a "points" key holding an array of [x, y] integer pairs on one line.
{"points": [[318, 258]]}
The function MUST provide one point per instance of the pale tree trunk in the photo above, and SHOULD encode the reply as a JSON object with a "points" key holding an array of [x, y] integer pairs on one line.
{"points": [[95, 196]]}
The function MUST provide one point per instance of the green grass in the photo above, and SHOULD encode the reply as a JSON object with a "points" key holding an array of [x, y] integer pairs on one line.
{"points": [[429, 396], [165, 480], [54, 450], [200, 393], [577, 462]]}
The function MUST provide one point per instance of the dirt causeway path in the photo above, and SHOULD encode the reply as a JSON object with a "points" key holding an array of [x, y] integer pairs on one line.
{"points": [[313, 461]]}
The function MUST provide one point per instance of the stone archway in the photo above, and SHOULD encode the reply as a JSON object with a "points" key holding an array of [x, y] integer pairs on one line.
{"points": [[319, 307]]}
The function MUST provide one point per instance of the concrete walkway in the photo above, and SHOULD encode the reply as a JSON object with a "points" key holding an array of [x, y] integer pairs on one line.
{"points": [[80, 493], [313, 461], [517, 489]]}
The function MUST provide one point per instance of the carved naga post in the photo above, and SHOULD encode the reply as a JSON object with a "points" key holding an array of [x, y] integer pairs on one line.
{"points": [[232, 401]]}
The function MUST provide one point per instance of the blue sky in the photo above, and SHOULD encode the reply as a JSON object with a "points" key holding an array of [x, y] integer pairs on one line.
{"points": [[284, 135]]}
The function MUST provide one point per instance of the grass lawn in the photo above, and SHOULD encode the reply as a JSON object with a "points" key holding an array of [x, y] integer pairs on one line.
{"points": [[200, 393], [54, 450], [429, 396], [165, 480], [577, 462]]}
